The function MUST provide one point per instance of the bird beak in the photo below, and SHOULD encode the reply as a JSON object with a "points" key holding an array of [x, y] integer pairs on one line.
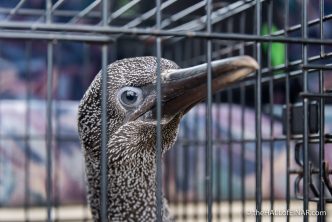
{"points": [[184, 88]]}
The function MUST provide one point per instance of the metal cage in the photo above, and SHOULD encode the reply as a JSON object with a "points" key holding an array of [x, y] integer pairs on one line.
{"points": [[256, 151]]}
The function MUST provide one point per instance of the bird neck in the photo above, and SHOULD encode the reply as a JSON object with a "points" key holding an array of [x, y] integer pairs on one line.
{"points": [[132, 191]]}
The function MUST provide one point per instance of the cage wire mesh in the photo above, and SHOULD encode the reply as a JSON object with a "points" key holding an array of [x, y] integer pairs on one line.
{"points": [[256, 151]]}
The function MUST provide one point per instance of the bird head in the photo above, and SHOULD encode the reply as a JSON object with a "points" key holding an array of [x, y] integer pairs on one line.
{"points": [[132, 103]]}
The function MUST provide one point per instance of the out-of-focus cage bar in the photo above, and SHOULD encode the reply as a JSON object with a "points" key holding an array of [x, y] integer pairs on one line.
{"points": [[246, 153]]}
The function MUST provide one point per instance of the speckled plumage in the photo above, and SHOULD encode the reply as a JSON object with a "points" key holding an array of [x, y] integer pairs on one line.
{"points": [[130, 146]]}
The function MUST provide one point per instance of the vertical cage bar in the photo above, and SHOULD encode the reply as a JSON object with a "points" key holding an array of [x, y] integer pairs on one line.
{"points": [[230, 138], [48, 11], [104, 96], [209, 163], [159, 204], [218, 151], [287, 95], [177, 201], [197, 51], [1, 128], [159, 138], [197, 146], [272, 181], [27, 133], [217, 146], [57, 144], [243, 154], [103, 164], [258, 154], [49, 132], [86, 56], [230, 154], [187, 144], [242, 102], [196, 159], [306, 169], [271, 95], [321, 26], [321, 203]]}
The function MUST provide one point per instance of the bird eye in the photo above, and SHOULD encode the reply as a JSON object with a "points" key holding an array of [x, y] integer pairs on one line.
{"points": [[130, 96]]}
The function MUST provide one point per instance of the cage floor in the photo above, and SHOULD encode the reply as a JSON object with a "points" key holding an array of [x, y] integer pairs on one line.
{"points": [[188, 212]]}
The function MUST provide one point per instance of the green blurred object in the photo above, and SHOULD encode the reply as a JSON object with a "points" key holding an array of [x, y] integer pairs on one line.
{"points": [[277, 49]]}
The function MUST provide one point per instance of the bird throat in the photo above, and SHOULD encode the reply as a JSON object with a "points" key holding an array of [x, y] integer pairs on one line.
{"points": [[131, 173], [132, 192]]}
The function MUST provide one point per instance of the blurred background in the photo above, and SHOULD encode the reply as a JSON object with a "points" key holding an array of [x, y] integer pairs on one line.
{"points": [[76, 60]]}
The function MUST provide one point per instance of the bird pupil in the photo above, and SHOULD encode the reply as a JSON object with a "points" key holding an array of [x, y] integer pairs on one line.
{"points": [[131, 95]]}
